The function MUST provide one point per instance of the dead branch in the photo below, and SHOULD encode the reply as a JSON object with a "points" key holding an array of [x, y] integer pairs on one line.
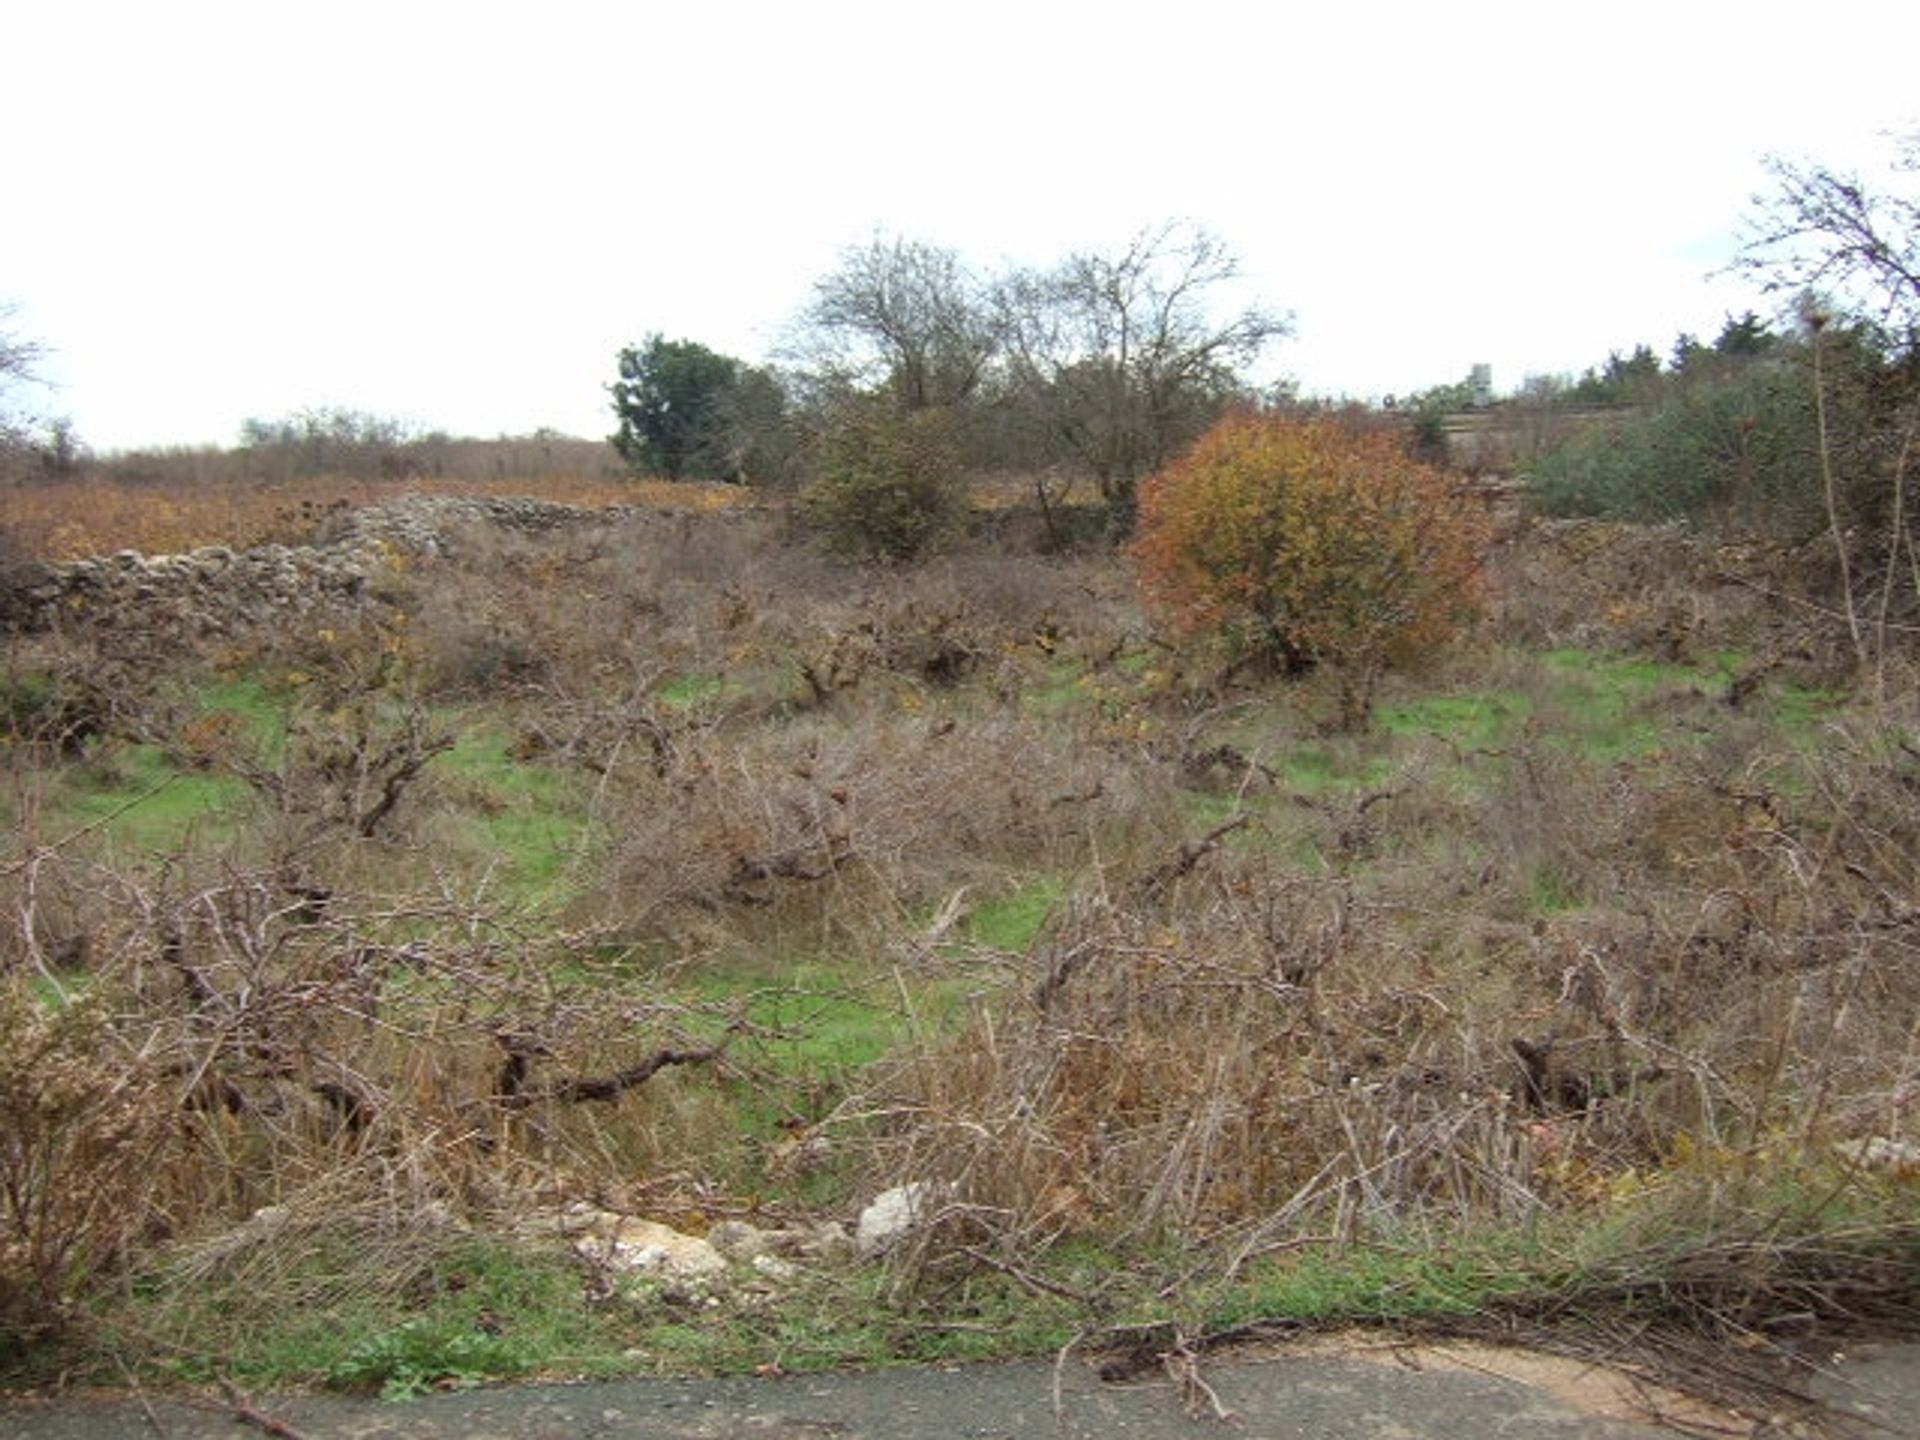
{"points": [[1062, 970], [1079, 797], [1190, 854], [173, 953], [607, 1087], [401, 768], [798, 864], [1146, 1348]]}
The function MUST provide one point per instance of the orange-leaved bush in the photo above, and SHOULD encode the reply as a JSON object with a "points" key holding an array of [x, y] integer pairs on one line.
{"points": [[1309, 540]]}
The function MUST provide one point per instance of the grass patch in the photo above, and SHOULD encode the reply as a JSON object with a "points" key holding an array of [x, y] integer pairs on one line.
{"points": [[1552, 893], [379, 1312], [521, 822], [255, 704], [804, 1028], [396, 1316], [143, 804], [1061, 687], [1378, 1283], [685, 692], [1012, 921], [1800, 710], [861, 1319], [1321, 768], [1467, 720], [823, 1016], [1610, 707]]}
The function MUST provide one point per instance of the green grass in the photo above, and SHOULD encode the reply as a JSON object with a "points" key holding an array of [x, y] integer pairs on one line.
{"points": [[1610, 708], [144, 803], [382, 1315], [1551, 893], [478, 1310], [1800, 710], [1458, 747], [825, 1015], [1336, 1287], [261, 711], [858, 1319], [686, 691], [522, 822], [397, 1315], [814, 1021], [1468, 720], [1061, 687], [1011, 921], [1329, 767], [141, 803]]}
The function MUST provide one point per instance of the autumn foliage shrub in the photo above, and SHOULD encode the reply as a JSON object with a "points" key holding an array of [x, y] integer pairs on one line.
{"points": [[1306, 540]]}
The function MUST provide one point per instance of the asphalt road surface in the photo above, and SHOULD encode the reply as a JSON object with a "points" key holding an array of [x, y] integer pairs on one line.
{"points": [[1359, 1390]]}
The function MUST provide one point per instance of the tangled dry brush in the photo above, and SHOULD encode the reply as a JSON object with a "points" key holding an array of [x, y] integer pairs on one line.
{"points": [[1498, 981]]}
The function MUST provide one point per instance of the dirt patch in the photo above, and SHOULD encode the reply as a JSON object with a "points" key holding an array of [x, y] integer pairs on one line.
{"points": [[1601, 1392]]}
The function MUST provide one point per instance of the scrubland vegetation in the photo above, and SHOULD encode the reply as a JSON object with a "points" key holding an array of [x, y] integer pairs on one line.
{"points": [[1499, 913], [670, 865]]}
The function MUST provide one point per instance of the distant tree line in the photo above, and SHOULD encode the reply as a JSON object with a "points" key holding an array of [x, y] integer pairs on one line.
{"points": [[334, 441], [1721, 432], [1742, 433]]}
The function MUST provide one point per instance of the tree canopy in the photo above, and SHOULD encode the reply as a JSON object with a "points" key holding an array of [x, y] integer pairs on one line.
{"points": [[1123, 355], [905, 317], [673, 404]]}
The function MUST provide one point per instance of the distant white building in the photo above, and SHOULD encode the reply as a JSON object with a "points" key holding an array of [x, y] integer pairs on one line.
{"points": [[1480, 387]]}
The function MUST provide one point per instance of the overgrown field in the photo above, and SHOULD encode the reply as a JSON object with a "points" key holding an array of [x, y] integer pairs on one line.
{"points": [[664, 865]]}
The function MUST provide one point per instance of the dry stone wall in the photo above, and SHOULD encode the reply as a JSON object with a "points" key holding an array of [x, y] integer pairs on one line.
{"points": [[216, 590]]}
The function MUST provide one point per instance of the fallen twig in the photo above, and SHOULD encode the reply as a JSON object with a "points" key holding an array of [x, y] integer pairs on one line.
{"points": [[1196, 1395], [140, 1395], [1144, 1351], [246, 1413]]}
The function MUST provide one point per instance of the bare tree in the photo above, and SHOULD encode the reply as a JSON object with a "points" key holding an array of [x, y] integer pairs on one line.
{"points": [[1836, 246], [18, 358], [17, 355], [904, 315], [1120, 356], [1827, 233]]}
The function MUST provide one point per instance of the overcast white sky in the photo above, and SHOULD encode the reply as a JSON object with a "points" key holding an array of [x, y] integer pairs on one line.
{"points": [[457, 213]]}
